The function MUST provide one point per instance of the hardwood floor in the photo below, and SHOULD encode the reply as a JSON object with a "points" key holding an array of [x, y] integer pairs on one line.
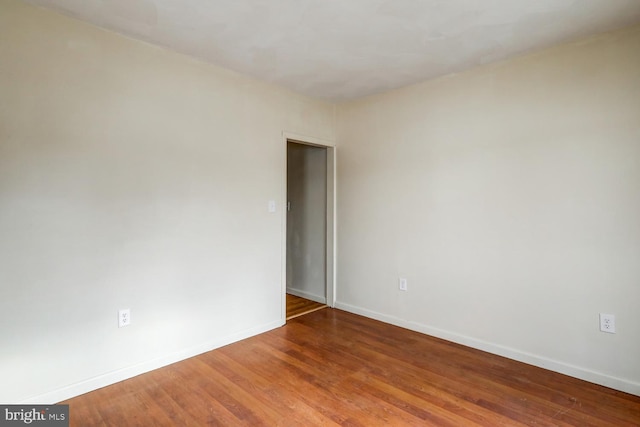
{"points": [[297, 306], [335, 368]]}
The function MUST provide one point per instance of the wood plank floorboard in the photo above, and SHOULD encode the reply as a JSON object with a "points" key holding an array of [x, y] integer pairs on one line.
{"points": [[331, 368], [297, 306]]}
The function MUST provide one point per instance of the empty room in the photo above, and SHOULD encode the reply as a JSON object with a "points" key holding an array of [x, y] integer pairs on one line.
{"points": [[306, 212]]}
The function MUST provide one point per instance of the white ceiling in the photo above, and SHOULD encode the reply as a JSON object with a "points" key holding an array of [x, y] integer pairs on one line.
{"points": [[343, 49]]}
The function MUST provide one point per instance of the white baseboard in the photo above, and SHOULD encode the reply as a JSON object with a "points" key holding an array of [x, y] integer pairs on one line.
{"points": [[303, 294], [104, 380], [510, 353]]}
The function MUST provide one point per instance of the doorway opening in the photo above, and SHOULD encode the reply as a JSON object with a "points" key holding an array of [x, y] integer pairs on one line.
{"points": [[309, 227]]}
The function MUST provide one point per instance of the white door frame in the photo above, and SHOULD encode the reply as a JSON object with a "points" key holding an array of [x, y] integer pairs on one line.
{"points": [[331, 216]]}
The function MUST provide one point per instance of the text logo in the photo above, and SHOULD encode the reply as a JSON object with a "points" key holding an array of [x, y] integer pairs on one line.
{"points": [[34, 415]]}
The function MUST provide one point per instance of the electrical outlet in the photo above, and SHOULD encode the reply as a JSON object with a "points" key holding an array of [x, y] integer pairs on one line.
{"points": [[402, 284], [124, 317], [608, 323]]}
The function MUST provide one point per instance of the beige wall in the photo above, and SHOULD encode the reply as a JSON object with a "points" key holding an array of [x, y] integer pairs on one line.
{"points": [[509, 196], [131, 177]]}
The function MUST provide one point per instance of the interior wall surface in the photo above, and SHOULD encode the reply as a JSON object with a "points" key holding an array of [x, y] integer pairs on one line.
{"points": [[509, 197], [132, 177]]}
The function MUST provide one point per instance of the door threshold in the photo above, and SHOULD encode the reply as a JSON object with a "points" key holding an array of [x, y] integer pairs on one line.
{"points": [[293, 316]]}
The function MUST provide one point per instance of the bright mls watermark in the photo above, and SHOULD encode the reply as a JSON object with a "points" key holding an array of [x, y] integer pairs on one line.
{"points": [[35, 415]]}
